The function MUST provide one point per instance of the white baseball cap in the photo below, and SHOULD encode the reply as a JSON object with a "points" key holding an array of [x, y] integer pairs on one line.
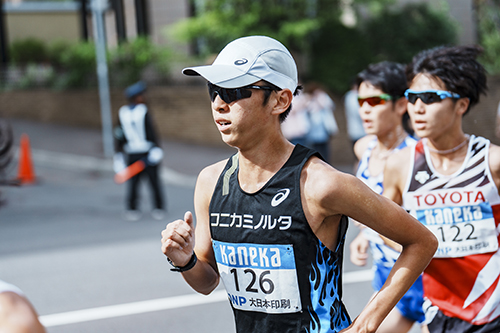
{"points": [[250, 59]]}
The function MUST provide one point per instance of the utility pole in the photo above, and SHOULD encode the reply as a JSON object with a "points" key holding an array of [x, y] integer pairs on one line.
{"points": [[98, 8]]}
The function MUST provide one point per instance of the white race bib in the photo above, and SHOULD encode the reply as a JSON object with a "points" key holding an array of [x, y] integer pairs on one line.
{"points": [[259, 277], [461, 230]]}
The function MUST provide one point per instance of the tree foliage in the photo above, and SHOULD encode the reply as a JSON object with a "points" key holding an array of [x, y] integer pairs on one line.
{"points": [[398, 34], [488, 18], [393, 34], [128, 61], [311, 29], [337, 54], [292, 22]]}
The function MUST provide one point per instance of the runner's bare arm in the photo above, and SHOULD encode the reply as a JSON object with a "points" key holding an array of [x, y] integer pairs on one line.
{"points": [[359, 250], [329, 194], [359, 245], [179, 237], [395, 172]]}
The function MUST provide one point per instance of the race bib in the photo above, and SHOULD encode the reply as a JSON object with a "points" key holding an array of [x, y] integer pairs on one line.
{"points": [[461, 231], [259, 277]]}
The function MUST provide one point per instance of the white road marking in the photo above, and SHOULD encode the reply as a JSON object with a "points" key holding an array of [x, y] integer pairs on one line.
{"points": [[358, 276], [127, 309], [120, 310]]}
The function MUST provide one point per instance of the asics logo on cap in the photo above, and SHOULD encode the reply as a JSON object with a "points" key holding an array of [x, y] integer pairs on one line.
{"points": [[280, 197], [240, 62]]}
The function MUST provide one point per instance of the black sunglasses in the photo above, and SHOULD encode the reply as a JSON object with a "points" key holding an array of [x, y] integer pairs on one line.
{"points": [[230, 95], [429, 96]]}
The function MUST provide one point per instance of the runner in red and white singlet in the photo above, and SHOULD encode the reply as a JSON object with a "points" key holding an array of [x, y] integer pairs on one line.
{"points": [[463, 211], [450, 182]]}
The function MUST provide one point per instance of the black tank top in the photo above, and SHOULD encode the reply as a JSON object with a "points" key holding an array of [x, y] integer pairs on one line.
{"points": [[278, 275]]}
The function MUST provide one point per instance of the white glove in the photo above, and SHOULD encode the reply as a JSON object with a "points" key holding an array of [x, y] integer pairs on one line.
{"points": [[118, 162], [155, 155]]}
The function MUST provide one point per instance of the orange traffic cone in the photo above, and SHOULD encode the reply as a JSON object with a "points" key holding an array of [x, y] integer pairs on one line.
{"points": [[26, 174]]}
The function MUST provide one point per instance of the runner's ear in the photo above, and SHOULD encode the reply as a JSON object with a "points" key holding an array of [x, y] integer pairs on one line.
{"points": [[462, 105], [283, 100], [401, 105]]}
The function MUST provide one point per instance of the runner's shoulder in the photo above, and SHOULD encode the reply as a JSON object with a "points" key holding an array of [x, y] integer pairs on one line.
{"points": [[318, 179], [399, 159], [212, 172], [362, 144]]}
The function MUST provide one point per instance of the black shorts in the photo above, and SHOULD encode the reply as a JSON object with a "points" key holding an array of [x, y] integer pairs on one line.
{"points": [[443, 324]]}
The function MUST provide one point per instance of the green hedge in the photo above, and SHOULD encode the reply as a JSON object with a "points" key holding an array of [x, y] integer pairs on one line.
{"points": [[29, 50], [73, 65]]}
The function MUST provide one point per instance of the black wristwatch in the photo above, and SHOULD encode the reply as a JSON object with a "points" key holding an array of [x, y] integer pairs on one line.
{"points": [[188, 266]]}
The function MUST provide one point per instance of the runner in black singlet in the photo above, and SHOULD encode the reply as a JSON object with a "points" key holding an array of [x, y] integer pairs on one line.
{"points": [[271, 220], [295, 264]]}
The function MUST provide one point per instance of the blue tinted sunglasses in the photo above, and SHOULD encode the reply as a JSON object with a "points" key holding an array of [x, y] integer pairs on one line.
{"points": [[429, 96], [230, 95]]}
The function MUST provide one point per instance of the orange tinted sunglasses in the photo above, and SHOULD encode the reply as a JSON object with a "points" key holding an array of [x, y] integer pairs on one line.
{"points": [[375, 100]]}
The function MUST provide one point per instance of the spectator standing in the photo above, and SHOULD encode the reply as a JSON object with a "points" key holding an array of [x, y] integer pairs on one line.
{"points": [[354, 123], [136, 139], [322, 123], [297, 124]]}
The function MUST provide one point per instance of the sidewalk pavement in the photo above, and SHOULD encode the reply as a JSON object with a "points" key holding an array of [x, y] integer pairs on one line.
{"points": [[82, 148]]}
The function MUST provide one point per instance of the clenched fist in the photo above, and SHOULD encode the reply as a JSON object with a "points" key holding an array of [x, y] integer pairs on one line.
{"points": [[177, 241]]}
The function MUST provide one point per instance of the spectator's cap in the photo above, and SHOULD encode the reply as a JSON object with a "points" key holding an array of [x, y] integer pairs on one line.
{"points": [[135, 89], [247, 60]]}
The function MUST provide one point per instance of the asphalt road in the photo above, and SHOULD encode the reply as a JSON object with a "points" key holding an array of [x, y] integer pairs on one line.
{"points": [[65, 243]]}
